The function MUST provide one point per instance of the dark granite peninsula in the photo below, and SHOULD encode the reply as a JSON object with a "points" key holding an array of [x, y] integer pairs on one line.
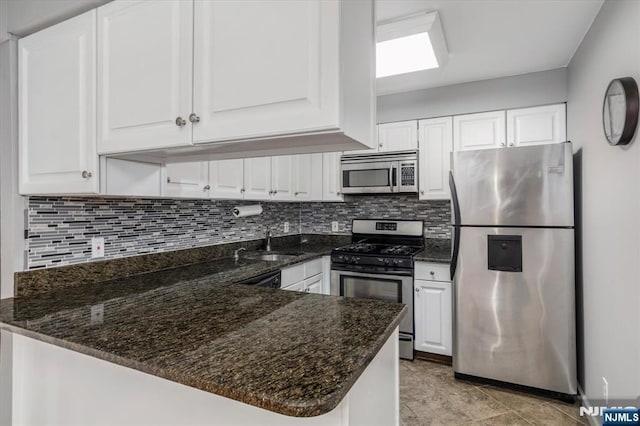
{"points": [[186, 345]]}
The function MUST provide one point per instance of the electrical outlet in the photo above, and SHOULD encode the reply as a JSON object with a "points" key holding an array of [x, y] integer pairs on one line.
{"points": [[286, 227], [334, 226], [97, 314], [97, 247], [605, 390]]}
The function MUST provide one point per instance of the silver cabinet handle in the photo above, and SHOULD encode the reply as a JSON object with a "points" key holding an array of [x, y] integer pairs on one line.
{"points": [[207, 187], [242, 190], [272, 192], [193, 117], [422, 192], [417, 290], [168, 179], [307, 290], [275, 192], [380, 145], [502, 144], [296, 193], [180, 122], [432, 273], [338, 193], [86, 174], [511, 144]]}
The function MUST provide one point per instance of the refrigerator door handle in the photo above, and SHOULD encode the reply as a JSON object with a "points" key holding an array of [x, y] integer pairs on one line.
{"points": [[456, 225]]}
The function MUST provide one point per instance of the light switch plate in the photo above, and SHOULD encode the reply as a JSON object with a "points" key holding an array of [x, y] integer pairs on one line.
{"points": [[286, 227], [97, 247], [334, 226], [97, 314]]}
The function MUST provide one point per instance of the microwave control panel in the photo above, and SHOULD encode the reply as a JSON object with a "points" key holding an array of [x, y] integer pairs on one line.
{"points": [[408, 174]]}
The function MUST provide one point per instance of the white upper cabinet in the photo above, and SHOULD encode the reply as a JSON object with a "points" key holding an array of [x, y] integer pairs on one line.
{"points": [[479, 131], [144, 75], [257, 178], [307, 173], [188, 179], [226, 179], [57, 109], [537, 125], [282, 174], [331, 177], [265, 67], [434, 161], [400, 136]]}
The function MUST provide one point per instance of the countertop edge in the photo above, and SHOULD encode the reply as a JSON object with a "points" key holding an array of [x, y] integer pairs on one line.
{"points": [[311, 408]]}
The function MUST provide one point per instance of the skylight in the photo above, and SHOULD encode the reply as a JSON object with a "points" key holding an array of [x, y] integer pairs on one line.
{"points": [[405, 54]]}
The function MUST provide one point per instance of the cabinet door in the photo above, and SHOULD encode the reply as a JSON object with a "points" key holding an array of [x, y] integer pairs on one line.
{"points": [[226, 179], [536, 126], [57, 78], [257, 178], [144, 74], [188, 179], [265, 67], [436, 144], [295, 287], [282, 177], [331, 177], [313, 284], [479, 131], [400, 136], [433, 317], [308, 177]]}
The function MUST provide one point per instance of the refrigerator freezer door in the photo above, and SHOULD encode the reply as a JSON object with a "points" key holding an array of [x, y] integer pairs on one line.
{"points": [[516, 327], [525, 186]]}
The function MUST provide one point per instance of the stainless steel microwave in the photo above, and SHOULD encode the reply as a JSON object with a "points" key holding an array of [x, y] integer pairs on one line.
{"points": [[379, 173]]}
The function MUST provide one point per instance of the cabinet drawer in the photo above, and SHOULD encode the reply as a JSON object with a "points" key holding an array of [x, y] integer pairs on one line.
{"points": [[313, 267], [292, 274], [432, 271]]}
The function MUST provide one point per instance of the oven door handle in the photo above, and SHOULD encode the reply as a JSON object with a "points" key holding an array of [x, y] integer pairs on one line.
{"points": [[386, 274]]}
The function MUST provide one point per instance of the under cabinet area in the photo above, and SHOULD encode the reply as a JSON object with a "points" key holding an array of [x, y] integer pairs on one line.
{"points": [[307, 277], [433, 308]]}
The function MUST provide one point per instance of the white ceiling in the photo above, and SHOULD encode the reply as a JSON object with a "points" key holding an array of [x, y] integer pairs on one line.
{"points": [[494, 38]]}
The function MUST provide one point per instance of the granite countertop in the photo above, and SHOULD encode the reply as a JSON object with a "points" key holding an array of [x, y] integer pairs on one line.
{"points": [[436, 251], [293, 353]]}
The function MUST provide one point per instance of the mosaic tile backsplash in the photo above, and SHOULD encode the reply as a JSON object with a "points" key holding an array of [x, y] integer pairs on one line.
{"points": [[61, 228]]}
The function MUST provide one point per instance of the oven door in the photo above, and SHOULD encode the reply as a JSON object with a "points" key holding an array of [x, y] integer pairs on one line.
{"points": [[394, 288], [372, 177]]}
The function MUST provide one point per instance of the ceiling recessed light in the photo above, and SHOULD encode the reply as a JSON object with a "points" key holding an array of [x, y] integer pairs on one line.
{"points": [[405, 54], [409, 44]]}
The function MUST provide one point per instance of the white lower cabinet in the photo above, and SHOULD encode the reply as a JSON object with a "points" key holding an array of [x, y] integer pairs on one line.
{"points": [[307, 277], [433, 311]]}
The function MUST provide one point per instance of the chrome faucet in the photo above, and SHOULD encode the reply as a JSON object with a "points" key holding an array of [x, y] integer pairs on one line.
{"points": [[236, 253], [267, 237]]}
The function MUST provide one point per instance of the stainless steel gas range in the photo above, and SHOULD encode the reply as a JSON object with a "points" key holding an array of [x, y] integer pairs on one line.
{"points": [[378, 264]]}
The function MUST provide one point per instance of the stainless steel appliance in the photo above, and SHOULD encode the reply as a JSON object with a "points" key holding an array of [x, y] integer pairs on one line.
{"points": [[513, 267], [379, 173], [269, 279], [379, 265]]}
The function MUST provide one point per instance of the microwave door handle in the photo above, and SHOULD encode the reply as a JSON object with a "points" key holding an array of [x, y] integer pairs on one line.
{"points": [[393, 178]]}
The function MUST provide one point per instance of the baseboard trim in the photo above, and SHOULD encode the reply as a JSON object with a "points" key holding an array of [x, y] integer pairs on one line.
{"points": [[440, 359]]}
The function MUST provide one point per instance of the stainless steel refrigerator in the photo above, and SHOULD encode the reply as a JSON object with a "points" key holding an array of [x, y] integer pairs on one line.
{"points": [[513, 266]]}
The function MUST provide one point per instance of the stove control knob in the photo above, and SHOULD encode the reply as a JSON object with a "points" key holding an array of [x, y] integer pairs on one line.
{"points": [[356, 259], [386, 261], [395, 261]]}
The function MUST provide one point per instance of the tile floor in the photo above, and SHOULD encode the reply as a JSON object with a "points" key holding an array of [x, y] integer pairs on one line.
{"points": [[430, 395]]}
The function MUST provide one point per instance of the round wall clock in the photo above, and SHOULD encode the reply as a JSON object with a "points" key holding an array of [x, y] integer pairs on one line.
{"points": [[620, 110]]}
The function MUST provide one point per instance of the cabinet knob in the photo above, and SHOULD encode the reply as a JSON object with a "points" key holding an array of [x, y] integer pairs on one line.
{"points": [[417, 290], [502, 144], [207, 187], [432, 273], [380, 145], [338, 193], [422, 192], [296, 193], [242, 190], [168, 179], [307, 290], [511, 144], [275, 192], [193, 117], [181, 122], [86, 174], [271, 192]]}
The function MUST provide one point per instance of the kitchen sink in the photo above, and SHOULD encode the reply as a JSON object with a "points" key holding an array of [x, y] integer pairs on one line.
{"points": [[271, 256]]}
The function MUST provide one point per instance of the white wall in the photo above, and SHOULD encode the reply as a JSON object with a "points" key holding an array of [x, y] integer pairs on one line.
{"points": [[610, 206], [539, 88], [28, 16]]}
